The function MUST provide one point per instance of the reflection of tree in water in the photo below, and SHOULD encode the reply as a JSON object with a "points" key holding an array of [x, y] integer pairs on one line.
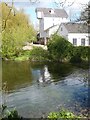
{"points": [[47, 73], [54, 72], [17, 74], [60, 70]]}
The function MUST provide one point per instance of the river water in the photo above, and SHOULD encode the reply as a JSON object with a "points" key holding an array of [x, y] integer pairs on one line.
{"points": [[35, 89]]}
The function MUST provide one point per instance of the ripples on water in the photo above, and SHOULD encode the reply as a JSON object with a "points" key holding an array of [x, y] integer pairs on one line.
{"points": [[36, 89]]}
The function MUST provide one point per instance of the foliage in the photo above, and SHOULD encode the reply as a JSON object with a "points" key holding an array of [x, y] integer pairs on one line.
{"points": [[10, 114], [84, 52], [38, 54], [59, 48], [79, 53], [21, 58], [18, 30], [63, 114], [85, 14]]}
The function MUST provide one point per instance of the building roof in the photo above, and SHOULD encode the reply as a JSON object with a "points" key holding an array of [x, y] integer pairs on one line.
{"points": [[52, 27], [76, 27], [56, 12]]}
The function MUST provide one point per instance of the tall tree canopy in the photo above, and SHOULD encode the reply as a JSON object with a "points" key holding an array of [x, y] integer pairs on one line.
{"points": [[16, 30]]}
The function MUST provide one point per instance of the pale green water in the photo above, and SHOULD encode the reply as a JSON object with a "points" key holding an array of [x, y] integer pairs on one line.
{"points": [[36, 89]]}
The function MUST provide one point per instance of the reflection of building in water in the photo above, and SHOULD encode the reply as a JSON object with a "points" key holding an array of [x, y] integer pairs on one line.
{"points": [[44, 75], [41, 75]]}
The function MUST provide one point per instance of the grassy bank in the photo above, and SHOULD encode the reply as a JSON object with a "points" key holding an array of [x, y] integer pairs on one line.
{"points": [[59, 50], [36, 54], [63, 114]]}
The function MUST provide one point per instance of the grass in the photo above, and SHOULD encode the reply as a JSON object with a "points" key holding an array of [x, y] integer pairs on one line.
{"points": [[64, 114]]}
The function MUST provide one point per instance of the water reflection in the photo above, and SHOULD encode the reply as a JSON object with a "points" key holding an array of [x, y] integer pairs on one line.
{"points": [[37, 88], [43, 75], [17, 74]]}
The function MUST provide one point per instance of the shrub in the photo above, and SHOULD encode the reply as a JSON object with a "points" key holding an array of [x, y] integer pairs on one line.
{"points": [[38, 54], [10, 114], [59, 48], [75, 55], [63, 114], [79, 53]]}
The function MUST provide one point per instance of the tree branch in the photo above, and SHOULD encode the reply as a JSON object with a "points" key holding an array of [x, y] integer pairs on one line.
{"points": [[5, 22], [63, 3]]}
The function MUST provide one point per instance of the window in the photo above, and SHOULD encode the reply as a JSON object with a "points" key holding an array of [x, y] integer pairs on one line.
{"points": [[83, 42], [89, 41], [74, 41], [61, 29]]}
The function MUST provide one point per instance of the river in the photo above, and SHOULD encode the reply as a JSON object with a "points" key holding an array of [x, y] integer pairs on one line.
{"points": [[35, 89]]}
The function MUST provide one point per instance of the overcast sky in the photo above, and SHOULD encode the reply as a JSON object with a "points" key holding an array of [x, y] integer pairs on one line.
{"points": [[74, 9]]}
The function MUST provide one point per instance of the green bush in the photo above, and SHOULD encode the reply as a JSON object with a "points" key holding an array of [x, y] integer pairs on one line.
{"points": [[79, 53], [63, 114], [59, 48], [38, 54], [75, 54], [9, 114]]}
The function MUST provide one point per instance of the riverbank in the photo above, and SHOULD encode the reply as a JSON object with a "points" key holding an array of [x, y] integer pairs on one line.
{"points": [[39, 88], [62, 114], [38, 54], [58, 49]]}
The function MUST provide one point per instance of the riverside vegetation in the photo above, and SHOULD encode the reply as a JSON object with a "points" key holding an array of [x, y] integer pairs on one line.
{"points": [[20, 30], [63, 114], [59, 50]]}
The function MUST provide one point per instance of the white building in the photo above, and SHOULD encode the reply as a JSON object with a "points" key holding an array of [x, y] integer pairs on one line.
{"points": [[49, 20], [76, 33]]}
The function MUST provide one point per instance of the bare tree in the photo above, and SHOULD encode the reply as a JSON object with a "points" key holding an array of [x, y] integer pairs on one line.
{"points": [[63, 3], [34, 1], [85, 14]]}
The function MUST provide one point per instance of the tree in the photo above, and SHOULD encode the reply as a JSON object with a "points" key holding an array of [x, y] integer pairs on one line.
{"points": [[63, 3], [85, 14], [59, 48], [17, 30], [12, 9]]}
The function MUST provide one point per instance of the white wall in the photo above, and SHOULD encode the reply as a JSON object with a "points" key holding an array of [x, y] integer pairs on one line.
{"points": [[69, 36], [78, 36], [53, 30], [50, 21], [41, 28], [63, 32]]}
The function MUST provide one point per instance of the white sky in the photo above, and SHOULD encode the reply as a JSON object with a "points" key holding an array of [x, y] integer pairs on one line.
{"points": [[49, 1], [77, 6]]}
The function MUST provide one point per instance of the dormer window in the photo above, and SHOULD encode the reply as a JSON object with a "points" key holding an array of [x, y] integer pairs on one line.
{"points": [[51, 11]]}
